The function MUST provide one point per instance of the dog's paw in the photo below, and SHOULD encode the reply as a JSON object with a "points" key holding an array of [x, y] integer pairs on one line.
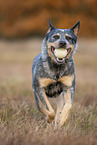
{"points": [[50, 117], [61, 120]]}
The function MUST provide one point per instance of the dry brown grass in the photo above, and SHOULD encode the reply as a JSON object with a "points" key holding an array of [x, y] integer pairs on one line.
{"points": [[20, 121]]}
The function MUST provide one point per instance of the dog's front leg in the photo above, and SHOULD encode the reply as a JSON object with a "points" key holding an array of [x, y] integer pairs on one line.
{"points": [[64, 112], [60, 103], [46, 108], [50, 111]]}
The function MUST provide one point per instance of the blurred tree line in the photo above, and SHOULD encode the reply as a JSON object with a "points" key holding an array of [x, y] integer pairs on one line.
{"points": [[23, 18]]}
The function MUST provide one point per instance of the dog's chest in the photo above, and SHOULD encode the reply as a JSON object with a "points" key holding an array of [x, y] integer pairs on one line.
{"points": [[54, 88]]}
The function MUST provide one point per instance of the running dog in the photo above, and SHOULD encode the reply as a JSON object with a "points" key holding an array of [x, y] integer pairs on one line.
{"points": [[54, 74]]}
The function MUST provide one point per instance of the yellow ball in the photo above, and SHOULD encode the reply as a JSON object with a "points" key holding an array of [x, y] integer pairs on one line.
{"points": [[60, 53]]}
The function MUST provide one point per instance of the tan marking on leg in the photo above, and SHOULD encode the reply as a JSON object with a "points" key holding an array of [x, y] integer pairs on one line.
{"points": [[60, 103], [45, 81], [66, 109], [67, 80], [42, 108], [50, 115], [68, 96], [64, 114], [50, 112]]}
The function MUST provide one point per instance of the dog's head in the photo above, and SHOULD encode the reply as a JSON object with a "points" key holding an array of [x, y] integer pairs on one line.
{"points": [[61, 43]]}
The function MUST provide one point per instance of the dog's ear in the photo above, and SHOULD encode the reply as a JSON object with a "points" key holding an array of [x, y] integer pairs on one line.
{"points": [[76, 28], [51, 27]]}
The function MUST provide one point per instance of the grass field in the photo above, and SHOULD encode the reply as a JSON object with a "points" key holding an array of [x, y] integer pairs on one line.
{"points": [[20, 121]]}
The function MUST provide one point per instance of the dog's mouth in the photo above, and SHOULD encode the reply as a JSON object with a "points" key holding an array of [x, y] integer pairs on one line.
{"points": [[60, 54]]}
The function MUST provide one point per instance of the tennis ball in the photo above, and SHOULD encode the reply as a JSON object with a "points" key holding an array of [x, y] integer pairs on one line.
{"points": [[60, 53]]}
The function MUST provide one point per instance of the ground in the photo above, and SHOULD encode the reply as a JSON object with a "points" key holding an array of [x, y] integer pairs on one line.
{"points": [[20, 121]]}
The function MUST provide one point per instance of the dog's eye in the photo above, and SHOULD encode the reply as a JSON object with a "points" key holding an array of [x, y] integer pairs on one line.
{"points": [[56, 37], [70, 39]]}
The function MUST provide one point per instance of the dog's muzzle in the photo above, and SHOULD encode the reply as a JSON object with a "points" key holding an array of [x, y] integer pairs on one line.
{"points": [[60, 54]]}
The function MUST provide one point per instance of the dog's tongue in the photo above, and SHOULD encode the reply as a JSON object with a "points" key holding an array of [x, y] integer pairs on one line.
{"points": [[60, 53], [60, 60]]}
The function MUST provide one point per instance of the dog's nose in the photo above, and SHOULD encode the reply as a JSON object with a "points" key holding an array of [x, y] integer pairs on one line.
{"points": [[62, 44]]}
